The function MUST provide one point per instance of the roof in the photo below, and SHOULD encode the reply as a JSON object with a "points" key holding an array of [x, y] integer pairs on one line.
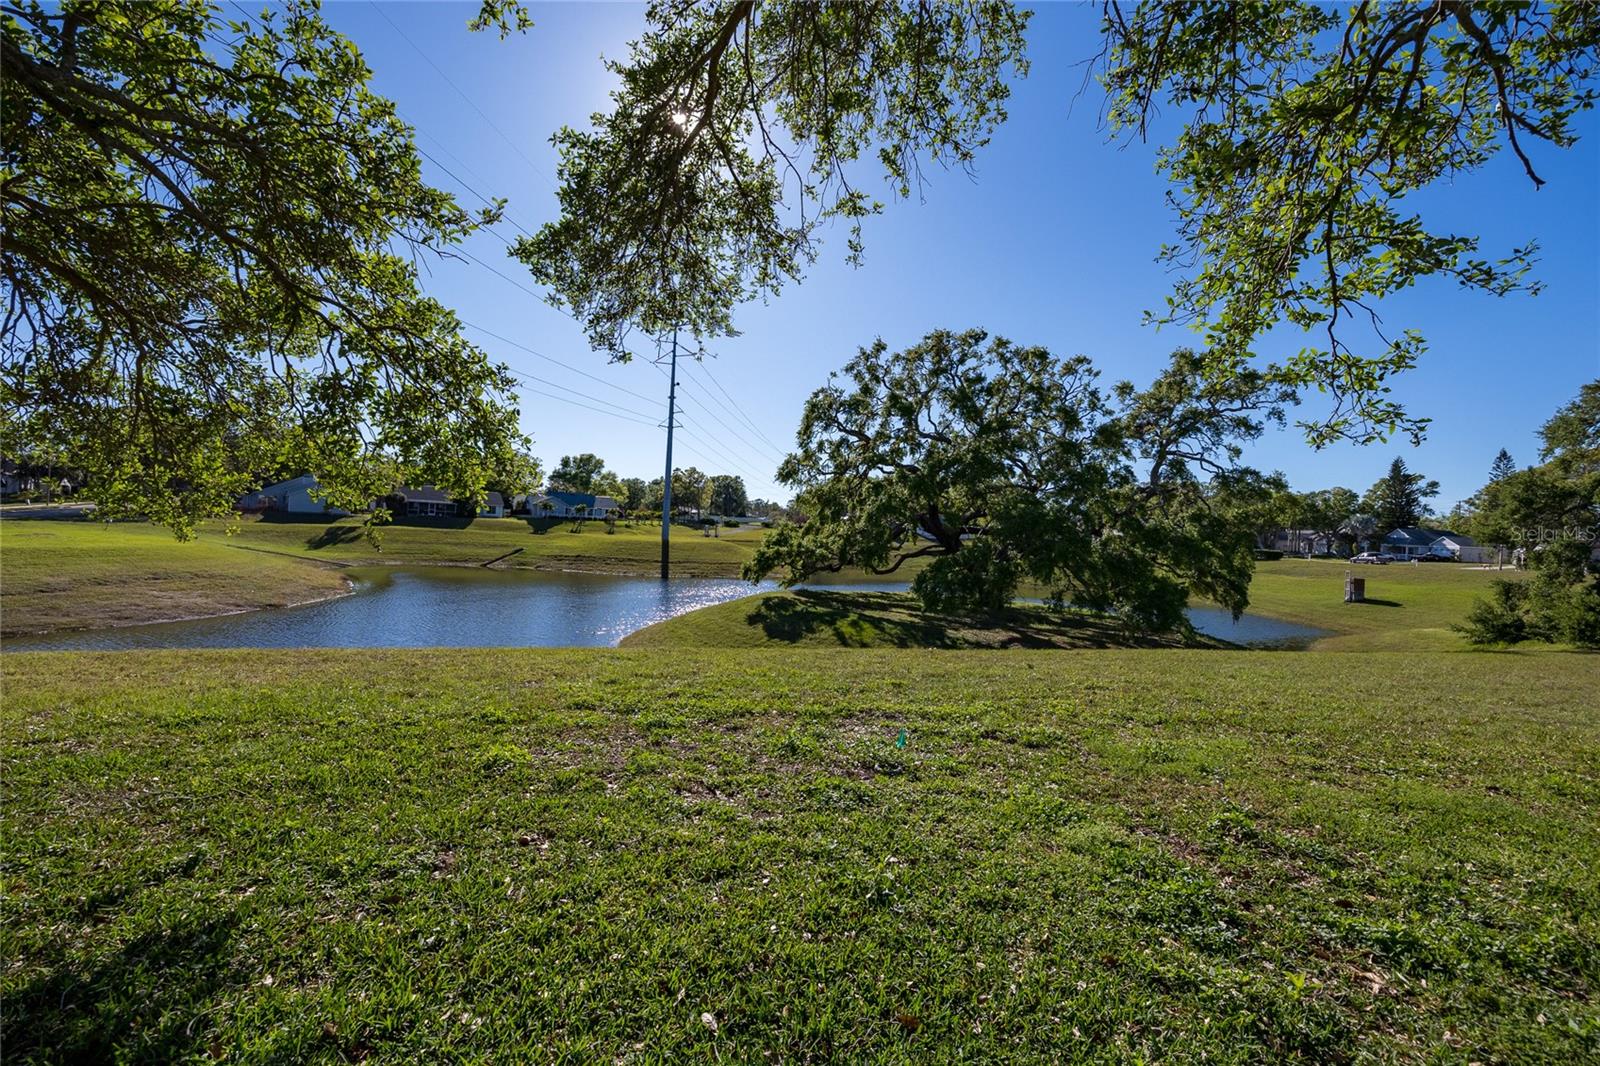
{"points": [[575, 499], [287, 482], [1424, 535], [426, 494], [1414, 534]]}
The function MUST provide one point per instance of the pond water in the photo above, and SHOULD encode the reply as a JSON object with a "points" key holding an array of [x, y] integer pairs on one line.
{"points": [[430, 607]]}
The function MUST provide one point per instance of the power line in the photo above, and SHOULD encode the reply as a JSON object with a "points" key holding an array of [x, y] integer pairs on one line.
{"points": [[597, 410], [585, 395], [684, 427], [770, 452], [503, 277], [745, 467], [465, 169], [706, 368], [735, 433], [558, 362], [459, 181], [460, 92]]}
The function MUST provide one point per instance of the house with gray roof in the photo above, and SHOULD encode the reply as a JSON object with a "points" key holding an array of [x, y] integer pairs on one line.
{"points": [[1414, 542], [572, 505]]}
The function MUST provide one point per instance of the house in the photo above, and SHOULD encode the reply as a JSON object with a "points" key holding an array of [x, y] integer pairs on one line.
{"points": [[571, 505], [494, 506], [298, 495], [1304, 540], [1464, 549], [14, 479], [1412, 542], [424, 502]]}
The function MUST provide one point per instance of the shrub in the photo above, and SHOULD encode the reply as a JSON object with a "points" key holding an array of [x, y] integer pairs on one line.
{"points": [[728, 523], [1268, 554], [1498, 619], [1568, 613]]}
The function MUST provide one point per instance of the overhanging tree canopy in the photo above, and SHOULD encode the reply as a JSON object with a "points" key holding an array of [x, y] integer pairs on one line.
{"points": [[209, 268], [732, 137], [739, 126]]}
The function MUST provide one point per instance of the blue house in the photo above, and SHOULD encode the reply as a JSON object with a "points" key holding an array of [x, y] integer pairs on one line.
{"points": [[571, 505]]}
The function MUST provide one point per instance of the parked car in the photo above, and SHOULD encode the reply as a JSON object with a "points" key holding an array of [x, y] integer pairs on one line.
{"points": [[1375, 558], [1432, 558]]}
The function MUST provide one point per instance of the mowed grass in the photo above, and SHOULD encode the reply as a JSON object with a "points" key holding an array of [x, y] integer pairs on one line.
{"points": [[634, 549], [634, 856], [1409, 606], [826, 618], [72, 575]]}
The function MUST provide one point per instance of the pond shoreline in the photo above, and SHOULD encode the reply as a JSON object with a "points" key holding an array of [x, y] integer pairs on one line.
{"points": [[349, 589], [399, 605]]}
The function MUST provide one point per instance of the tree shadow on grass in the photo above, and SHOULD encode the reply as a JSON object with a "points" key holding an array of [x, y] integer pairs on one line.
{"points": [[855, 620], [137, 1005], [1369, 602], [333, 536], [891, 619]]}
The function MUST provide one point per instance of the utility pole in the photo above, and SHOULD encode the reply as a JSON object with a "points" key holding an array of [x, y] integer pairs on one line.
{"points": [[666, 482]]}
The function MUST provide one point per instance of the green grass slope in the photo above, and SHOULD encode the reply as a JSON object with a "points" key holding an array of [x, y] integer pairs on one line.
{"points": [[842, 618], [1409, 607], [652, 856], [629, 550], [72, 575]]}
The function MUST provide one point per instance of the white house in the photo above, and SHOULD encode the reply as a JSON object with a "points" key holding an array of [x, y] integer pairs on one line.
{"points": [[1465, 549], [1413, 542], [298, 495], [493, 506]]}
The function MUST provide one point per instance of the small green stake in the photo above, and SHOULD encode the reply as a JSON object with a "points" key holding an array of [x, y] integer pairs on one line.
{"points": [[900, 741]]}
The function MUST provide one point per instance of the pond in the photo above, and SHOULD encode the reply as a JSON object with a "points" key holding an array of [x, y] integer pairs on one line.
{"points": [[470, 607]]}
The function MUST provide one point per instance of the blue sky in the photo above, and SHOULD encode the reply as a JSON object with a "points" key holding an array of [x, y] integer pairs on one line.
{"points": [[1052, 242]]}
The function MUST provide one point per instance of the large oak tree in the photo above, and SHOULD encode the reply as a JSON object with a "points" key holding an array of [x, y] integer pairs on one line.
{"points": [[1000, 463]]}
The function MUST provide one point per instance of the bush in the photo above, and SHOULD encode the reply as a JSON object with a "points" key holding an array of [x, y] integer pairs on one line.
{"points": [[1268, 554], [728, 523], [1498, 619], [1569, 614]]}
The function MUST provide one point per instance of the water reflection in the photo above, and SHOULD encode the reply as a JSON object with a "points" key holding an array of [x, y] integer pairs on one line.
{"points": [[428, 607]]}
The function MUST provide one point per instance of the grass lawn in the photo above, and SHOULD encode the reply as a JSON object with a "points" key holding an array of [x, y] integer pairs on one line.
{"points": [[1409, 607], [831, 619], [646, 856], [71, 575], [630, 550]]}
